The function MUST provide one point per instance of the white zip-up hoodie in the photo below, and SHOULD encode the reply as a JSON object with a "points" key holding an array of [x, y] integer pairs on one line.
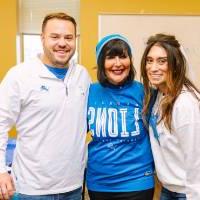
{"points": [[177, 154], [50, 119]]}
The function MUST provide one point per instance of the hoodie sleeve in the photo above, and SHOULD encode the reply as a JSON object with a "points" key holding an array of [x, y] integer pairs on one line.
{"points": [[186, 120], [9, 110]]}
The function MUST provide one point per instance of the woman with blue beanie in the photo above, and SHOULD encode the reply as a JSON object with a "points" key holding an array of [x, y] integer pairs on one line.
{"points": [[120, 164]]}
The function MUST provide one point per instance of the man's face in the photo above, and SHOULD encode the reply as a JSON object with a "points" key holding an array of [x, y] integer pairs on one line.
{"points": [[59, 42]]}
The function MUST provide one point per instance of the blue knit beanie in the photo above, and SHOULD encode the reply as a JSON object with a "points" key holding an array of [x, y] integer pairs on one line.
{"points": [[106, 39]]}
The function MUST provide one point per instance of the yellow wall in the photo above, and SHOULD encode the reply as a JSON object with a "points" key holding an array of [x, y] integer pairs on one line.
{"points": [[90, 9], [8, 29]]}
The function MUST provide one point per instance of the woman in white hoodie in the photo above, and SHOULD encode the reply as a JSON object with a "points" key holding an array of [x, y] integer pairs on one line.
{"points": [[175, 118]]}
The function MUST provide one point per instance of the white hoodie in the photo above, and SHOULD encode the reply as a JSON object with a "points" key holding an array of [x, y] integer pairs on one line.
{"points": [[50, 118], [177, 157]]}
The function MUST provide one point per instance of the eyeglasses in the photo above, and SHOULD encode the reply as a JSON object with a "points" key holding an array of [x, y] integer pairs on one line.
{"points": [[159, 61]]}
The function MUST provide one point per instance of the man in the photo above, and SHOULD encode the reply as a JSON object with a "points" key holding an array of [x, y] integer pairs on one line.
{"points": [[46, 99]]}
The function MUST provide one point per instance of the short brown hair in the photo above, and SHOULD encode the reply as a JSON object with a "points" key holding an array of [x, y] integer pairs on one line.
{"points": [[58, 15]]}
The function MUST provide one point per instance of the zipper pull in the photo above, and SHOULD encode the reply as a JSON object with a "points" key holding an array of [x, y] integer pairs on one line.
{"points": [[66, 91]]}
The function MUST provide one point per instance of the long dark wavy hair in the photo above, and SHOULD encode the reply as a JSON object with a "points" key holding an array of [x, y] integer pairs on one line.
{"points": [[176, 77]]}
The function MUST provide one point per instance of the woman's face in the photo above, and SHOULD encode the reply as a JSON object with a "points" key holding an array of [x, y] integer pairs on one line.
{"points": [[117, 68], [157, 67]]}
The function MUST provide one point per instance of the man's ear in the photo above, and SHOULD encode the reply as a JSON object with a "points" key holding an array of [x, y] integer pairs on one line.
{"points": [[42, 37]]}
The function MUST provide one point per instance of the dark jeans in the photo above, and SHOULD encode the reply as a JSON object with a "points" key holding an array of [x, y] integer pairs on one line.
{"points": [[137, 195], [72, 195], [168, 195]]}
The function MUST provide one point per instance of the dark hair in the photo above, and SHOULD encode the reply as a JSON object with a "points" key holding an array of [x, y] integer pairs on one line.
{"points": [[115, 47], [59, 15], [176, 77]]}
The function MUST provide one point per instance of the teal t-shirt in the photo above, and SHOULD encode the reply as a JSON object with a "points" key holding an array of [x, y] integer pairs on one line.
{"points": [[60, 73]]}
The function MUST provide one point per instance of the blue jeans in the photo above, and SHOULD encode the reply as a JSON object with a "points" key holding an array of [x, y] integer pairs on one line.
{"points": [[168, 195], [72, 195]]}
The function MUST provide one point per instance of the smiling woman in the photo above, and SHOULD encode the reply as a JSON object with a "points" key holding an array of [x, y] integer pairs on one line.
{"points": [[157, 67], [117, 67], [120, 164], [174, 124]]}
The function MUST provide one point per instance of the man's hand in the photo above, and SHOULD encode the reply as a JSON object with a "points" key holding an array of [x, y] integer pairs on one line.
{"points": [[7, 187]]}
